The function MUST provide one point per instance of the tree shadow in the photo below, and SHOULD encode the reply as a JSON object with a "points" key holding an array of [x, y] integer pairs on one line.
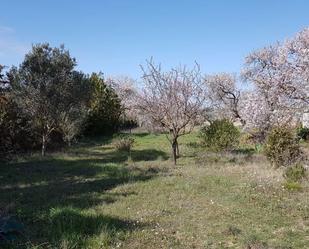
{"points": [[70, 224], [122, 156], [148, 155], [31, 189], [72, 221], [80, 183], [142, 134], [74, 227]]}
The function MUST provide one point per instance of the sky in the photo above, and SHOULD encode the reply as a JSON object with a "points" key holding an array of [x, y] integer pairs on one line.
{"points": [[117, 36]]}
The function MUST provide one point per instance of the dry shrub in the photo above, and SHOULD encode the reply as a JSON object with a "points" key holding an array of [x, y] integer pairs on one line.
{"points": [[123, 143]]}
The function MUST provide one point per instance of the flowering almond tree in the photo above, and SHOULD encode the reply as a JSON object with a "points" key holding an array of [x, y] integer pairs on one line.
{"points": [[126, 91], [270, 102], [225, 95], [173, 100], [296, 68]]}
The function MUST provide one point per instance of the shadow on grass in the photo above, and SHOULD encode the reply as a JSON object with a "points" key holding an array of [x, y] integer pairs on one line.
{"points": [[46, 184], [31, 189], [122, 156], [73, 226], [142, 134], [95, 140], [148, 155]]}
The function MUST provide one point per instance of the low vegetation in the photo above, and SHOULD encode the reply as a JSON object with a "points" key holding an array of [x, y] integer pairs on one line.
{"points": [[92, 196], [220, 135], [123, 143], [282, 147]]}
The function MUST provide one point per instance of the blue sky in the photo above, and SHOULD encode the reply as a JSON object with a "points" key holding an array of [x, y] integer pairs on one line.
{"points": [[116, 36]]}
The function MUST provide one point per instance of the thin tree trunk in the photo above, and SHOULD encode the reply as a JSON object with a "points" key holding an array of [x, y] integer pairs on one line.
{"points": [[174, 151], [43, 144], [177, 149]]}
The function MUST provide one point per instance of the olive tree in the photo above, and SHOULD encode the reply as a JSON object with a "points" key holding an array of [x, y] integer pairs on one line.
{"points": [[2, 80], [47, 90], [173, 100]]}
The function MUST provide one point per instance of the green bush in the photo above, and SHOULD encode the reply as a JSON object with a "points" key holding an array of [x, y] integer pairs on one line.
{"points": [[303, 133], [123, 143], [295, 173], [282, 147], [220, 135]]}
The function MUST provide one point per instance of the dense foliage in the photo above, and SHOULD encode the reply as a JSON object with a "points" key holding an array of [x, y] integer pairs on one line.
{"points": [[303, 133], [105, 108], [282, 147], [46, 102], [220, 135], [49, 91], [16, 133]]}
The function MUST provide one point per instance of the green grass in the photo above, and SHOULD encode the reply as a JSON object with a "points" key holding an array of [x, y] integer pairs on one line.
{"points": [[92, 196]]}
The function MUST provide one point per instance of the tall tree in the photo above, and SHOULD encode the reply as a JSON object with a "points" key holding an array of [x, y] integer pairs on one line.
{"points": [[295, 69], [173, 100], [45, 88], [105, 107], [72, 119], [16, 133], [279, 74]]}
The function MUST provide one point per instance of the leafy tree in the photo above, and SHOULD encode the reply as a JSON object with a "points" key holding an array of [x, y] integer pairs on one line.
{"points": [[16, 133], [72, 120], [2, 76], [105, 107], [15, 127], [46, 88]]}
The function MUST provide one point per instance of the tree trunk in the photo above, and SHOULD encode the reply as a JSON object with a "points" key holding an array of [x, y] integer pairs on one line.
{"points": [[174, 151], [44, 140], [242, 121], [177, 149]]}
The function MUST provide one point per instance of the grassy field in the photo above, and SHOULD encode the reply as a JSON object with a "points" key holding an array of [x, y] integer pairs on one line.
{"points": [[92, 196]]}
